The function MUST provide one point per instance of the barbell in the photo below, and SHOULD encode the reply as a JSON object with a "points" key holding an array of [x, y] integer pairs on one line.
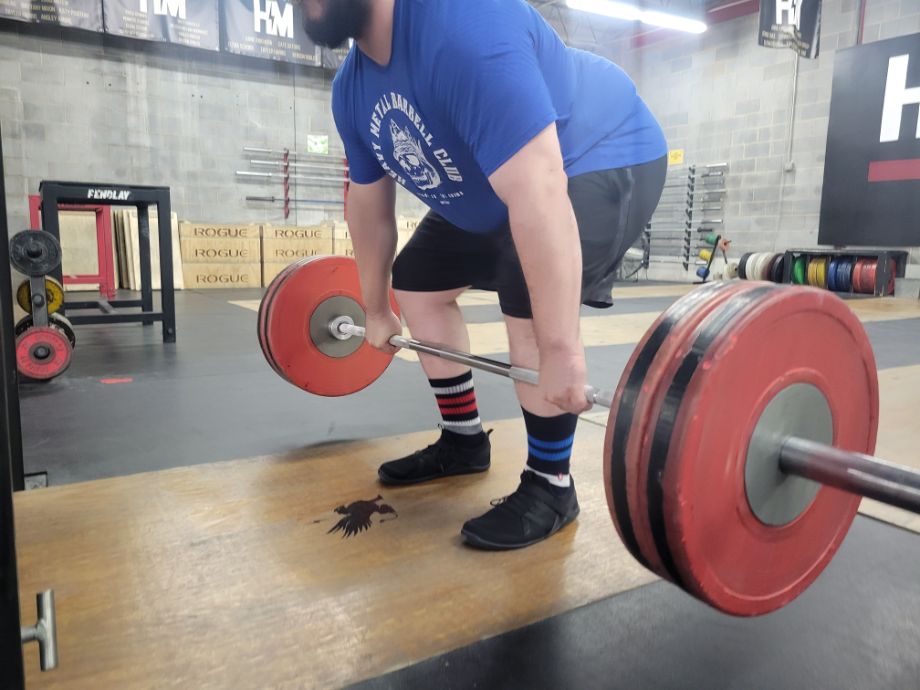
{"points": [[740, 434]]}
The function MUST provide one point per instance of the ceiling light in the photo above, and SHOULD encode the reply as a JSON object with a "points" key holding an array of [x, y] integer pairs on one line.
{"points": [[622, 10]]}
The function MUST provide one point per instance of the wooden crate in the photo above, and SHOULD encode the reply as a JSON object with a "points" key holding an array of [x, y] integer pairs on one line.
{"points": [[223, 275], [343, 246], [341, 240], [276, 254], [323, 231], [286, 251], [219, 231], [407, 223], [207, 250], [128, 249], [346, 247]]}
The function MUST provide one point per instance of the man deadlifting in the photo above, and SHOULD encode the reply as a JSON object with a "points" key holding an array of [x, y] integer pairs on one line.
{"points": [[540, 164]]}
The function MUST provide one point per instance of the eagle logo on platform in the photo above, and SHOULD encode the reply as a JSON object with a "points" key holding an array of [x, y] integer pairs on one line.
{"points": [[358, 516], [411, 158]]}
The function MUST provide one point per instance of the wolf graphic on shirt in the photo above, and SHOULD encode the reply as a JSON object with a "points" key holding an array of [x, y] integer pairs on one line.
{"points": [[408, 153]]}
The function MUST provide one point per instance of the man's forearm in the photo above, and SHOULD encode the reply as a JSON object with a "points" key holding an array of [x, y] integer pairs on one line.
{"points": [[372, 222], [375, 247], [546, 237]]}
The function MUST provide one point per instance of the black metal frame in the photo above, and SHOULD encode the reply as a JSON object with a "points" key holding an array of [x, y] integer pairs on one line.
{"points": [[12, 670], [91, 194]]}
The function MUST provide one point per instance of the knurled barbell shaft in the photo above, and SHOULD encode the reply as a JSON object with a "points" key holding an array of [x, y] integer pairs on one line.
{"points": [[854, 473], [592, 395]]}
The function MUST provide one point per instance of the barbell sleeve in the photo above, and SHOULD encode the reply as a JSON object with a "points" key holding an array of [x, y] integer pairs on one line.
{"points": [[855, 473], [593, 395]]}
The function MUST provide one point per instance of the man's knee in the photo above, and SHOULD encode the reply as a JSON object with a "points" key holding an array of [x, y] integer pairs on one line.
{"points": [[412, 302]]}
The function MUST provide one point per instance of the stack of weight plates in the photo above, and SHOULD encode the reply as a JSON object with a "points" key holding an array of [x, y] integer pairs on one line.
{"points": [[817, 271], [762, 266], [799, 270], [777, 266], [742, 266], [832, 274], [864, 276], [843, 280]]}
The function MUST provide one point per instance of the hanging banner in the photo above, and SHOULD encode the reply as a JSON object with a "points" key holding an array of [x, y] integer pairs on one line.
{"points": [[794, 24], [271, 29], [20, 10], [333, 59], [871, 192], [185, 22], [77, 14]]}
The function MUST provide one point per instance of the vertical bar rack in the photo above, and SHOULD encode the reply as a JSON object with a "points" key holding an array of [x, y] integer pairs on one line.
{"points": [[692, 203]]}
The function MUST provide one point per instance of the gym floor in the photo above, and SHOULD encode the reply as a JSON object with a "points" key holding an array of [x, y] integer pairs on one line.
{"points": [[186, 531]]}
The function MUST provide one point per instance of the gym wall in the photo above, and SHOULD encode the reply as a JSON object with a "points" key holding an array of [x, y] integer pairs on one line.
{"points": [[90, 107], [723, 98], [82, 106]]}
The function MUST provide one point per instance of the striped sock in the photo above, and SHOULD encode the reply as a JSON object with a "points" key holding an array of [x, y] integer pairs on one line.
{"points": [[457, 402], [549, 447]]}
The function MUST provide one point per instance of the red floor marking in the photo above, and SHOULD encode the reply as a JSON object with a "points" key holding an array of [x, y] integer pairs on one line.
{"points": [[111, 381]]}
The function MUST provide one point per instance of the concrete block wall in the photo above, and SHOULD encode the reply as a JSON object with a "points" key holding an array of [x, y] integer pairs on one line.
{"points": [[723, 98], [77, 105], [87, 107]]}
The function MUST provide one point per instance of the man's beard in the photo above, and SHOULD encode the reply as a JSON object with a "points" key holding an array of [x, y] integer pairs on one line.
{"points": [[344, 19]]}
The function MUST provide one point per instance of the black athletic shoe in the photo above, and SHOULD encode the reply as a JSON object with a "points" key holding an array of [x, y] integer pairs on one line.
{"points": [[529, 515], [443, 458]]}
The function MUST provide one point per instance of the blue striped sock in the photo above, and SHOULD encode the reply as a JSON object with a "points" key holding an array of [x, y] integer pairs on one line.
{"points": [[549, 447]]}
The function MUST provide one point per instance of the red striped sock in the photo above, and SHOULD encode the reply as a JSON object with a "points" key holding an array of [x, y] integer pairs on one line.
{"points": [[457, 403]]}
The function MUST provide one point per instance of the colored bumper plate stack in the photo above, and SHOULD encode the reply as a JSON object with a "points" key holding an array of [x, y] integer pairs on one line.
{"points": [[798, 270]]}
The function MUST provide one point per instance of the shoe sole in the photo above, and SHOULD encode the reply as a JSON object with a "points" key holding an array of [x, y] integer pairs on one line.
{"points": [[392, 481], [485, 544]]}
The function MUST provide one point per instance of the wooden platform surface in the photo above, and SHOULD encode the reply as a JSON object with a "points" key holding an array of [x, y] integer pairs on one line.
{"points": [[224, 576], [898, 436]]}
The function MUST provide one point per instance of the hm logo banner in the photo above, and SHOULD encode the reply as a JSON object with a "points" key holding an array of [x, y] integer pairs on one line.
{"points": [[268, 18], [794, 24], [897, 97], [788, 13], [871, 190], [166, 8]]}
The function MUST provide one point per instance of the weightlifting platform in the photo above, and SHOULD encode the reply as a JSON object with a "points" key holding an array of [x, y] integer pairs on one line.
{"points": [[227, 575], [232, 575], [174, 565]]}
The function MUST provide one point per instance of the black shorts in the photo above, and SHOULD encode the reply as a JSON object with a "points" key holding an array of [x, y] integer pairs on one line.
{"points": [[611, 206]]}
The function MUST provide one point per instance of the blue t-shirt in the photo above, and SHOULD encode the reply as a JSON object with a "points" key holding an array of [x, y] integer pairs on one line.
{"points": [[468, 84]]}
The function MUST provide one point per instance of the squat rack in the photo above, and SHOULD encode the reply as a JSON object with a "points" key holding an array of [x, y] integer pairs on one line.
{"points": [[55, 195]]}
